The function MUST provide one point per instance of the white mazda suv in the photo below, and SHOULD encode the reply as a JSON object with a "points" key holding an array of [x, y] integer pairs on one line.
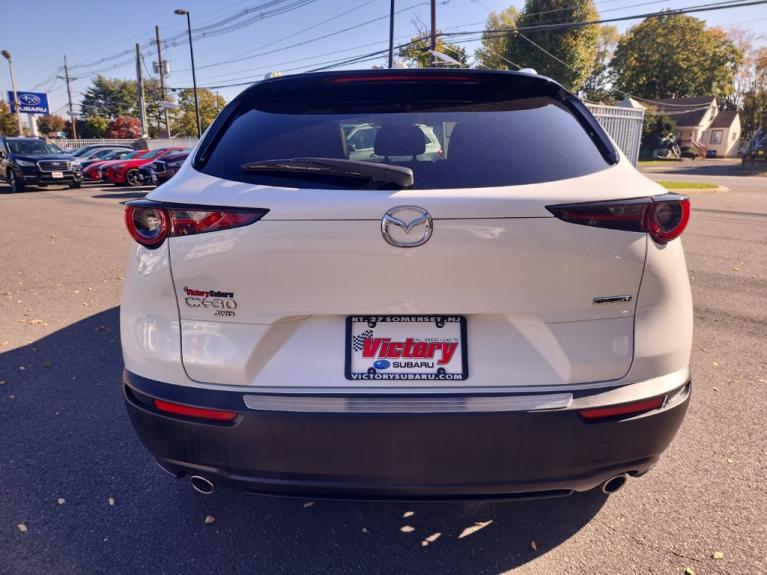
{"points": [[509, 317]]}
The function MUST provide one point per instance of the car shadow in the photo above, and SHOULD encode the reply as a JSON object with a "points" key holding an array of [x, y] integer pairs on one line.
{"points": [[75, 474]]}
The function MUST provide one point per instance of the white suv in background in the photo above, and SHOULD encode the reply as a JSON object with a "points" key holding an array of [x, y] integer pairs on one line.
{"points": [[508, 317]]}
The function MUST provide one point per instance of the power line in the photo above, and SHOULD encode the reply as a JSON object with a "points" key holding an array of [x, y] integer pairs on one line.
{"points": [[661, 14]]}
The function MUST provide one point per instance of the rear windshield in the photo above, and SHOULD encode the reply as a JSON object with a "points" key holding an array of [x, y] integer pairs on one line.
{"points": [[451, 136]]}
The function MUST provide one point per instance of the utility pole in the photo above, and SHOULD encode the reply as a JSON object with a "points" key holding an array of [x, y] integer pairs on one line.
{"points": [[16, 103], [391, 35], [161, 65], [434, 25], [140, 90], [182, 12], [69, 95]]}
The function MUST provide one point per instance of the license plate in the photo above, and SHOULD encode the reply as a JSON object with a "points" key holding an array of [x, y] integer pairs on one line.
{"points": [[57, 175], [406, 347]]}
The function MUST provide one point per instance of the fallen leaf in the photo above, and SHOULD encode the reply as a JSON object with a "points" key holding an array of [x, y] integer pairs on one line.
{"points": [[533, 545], [407, 529], [431, 539], [715, 364], [474, 528], [209, 519], [308, 504], [22, 527], [365, 531], [717, 555], [729, 460], [408, 514], [61, 501], [111, 501], [716, 388], [689, 571], [735, 268]]}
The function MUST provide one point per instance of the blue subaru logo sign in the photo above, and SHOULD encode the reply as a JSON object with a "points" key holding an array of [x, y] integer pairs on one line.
{"points": [[30, 102], [381, 364]]}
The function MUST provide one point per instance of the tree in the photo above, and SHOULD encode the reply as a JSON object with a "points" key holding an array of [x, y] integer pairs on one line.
{"points": [[124, 127], [49, 124], [753, 114], [92, 127], [8, 124], [495, 45], [567, 55], [675, 55], [210, 105], [110, 97], [597, 86], [417, 54]]}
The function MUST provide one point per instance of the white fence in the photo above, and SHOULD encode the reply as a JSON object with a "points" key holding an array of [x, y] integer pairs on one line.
{"points": [[624, 126], [67, 144]]}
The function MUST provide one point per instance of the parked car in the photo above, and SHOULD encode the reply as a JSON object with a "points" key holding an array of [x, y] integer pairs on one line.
{"points": [[509, 318], [95, 171], [126, 172], [36, 162], [106, 155], [87, 151], [161, 170], [756, 150]]}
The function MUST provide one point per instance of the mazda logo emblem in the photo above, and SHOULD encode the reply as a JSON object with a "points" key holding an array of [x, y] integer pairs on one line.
{"points": [[406, 226]]}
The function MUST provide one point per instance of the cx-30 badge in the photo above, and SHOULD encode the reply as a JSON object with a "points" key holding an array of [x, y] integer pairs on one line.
{"points": [[406, 226]]}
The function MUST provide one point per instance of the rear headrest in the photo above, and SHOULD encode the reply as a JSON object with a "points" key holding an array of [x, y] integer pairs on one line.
{"points": [[400, 140], [465, 137]]}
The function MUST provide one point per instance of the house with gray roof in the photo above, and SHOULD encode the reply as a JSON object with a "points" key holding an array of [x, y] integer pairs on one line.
{"points": [[699, 123]]}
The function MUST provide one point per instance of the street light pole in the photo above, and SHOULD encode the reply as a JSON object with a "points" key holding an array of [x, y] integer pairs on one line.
{"points": [[391, 35], [7, 55], [181, 12]]}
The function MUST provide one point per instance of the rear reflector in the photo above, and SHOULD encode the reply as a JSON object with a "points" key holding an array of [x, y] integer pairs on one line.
{"points": [[663, 217], [625, 409], [199, 413], [149, 223]]}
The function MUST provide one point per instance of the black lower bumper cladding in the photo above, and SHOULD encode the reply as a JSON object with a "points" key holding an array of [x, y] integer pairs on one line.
{"points": [[395, 456]]}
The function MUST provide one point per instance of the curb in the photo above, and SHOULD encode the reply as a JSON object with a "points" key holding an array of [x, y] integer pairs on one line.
{"points": [[695, 191]]}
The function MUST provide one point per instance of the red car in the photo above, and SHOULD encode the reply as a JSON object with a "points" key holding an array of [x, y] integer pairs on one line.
{"points": [[95, 171], [127, 171]]}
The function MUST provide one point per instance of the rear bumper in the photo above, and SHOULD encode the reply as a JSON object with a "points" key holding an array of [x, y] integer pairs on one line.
{"points": [[397, 455]]}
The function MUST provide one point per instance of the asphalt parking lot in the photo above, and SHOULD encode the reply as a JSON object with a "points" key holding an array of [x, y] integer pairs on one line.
{"points": [[80, 494]]}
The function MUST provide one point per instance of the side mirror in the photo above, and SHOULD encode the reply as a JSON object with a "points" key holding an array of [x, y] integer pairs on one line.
{"points": [[2, 155]]}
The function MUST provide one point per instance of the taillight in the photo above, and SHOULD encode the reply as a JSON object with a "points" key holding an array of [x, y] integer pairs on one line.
{"points": [[149, 223], [148, 226], [624, 410], [663, 217], [198, 412]]}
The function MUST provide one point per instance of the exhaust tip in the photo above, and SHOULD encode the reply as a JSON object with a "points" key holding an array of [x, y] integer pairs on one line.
{"points": [[614, 483], [202, 485]]}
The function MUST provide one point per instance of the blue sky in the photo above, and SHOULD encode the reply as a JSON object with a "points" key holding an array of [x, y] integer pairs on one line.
{"points": [[89, 30]]}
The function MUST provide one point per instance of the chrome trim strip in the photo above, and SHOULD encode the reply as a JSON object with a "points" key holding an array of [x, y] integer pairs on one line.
{"points": [[468, 404]]}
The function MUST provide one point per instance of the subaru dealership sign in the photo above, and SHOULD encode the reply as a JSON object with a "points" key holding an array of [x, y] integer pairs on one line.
{"points": [[30, 102]]}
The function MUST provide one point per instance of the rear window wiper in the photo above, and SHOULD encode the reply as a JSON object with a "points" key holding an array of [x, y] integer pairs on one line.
{"points": [[332, 167]]}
